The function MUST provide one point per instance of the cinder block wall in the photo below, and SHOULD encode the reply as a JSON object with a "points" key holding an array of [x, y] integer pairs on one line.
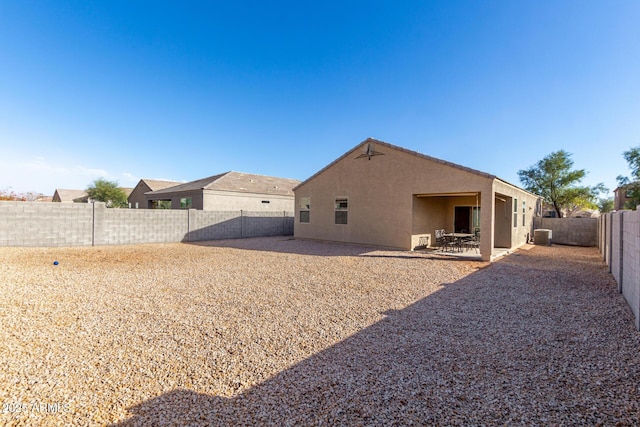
{"points": [[213, 225], [46, 224], [620, 248], [83, 224], [570, 231], [129, 226], [266, 224]]}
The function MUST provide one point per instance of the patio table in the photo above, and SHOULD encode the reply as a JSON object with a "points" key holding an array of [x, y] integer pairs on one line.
{"points": [[459, 238]]}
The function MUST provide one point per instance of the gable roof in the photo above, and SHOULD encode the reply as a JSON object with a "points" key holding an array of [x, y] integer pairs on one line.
{"points": [[395, 147], [153, 184], [377, 142], [159, 184], [236, 181], [66, 195]]}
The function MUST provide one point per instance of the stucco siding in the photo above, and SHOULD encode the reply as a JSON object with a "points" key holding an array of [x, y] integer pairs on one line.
{"points": [[232, 201], [521, 231], [137, 196], [381, 198]]}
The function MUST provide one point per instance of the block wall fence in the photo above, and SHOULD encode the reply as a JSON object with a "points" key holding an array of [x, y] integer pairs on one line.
{"points": [[570, 231], [619, 244], [93, 224]]}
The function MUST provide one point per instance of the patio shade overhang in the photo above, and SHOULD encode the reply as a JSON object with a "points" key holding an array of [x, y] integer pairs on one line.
{"points": [[474, 193]]}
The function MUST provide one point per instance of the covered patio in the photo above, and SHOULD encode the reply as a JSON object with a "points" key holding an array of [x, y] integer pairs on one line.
{"points": [[461, 214]]}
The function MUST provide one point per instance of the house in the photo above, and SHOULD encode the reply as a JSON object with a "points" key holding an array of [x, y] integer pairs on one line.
{"points": [[621, 196], [384, 195], [138, 200], [229, 191], [78, 196], [70, 196]]}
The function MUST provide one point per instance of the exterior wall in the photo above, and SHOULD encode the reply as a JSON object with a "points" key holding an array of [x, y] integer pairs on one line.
{"points": [[620, 198], [502, 222], [571, 231], [232, 201], [521, 232], [381, 193], [620, 248], [137, 196], [210, 200], [80, 224]]}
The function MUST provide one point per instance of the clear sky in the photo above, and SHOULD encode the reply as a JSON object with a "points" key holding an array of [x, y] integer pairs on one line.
{"points": [[183, 90]]}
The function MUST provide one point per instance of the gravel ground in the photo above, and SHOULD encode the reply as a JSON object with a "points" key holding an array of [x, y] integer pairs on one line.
{"points": [[284, 332]]}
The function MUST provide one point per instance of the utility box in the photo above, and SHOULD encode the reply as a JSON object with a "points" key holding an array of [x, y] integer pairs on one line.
{"points": [[542, 236]]}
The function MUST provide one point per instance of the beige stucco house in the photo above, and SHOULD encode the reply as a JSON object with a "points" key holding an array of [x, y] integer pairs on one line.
{"points": [[384, 195], [229, 191], [78, 196], [138, 199]]}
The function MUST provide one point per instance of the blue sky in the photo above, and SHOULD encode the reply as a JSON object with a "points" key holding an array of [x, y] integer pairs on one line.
{"points": [[183, 90]]}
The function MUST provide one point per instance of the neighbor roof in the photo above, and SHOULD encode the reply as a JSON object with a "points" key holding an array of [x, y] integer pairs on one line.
{"points": [[158, 184], [236, 181], [67, 195]]}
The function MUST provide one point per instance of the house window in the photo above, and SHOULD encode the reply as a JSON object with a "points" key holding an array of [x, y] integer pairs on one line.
{"points": [[341, 208], [161, 204], [476, 219], [305, 209], [266, 201], [515, 212], [524, 207], [185, 203]]}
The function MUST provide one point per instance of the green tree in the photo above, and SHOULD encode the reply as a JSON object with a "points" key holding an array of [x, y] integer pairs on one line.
{"points": [[632, 185], [605, 205], [553, 179], [108, 192]]}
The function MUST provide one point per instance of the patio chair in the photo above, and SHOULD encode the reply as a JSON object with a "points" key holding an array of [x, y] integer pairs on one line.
{"points": [[473, 242], [445, 242]]}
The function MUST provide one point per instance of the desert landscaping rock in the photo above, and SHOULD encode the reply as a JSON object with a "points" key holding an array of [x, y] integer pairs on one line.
{"points": [[274, 331]]}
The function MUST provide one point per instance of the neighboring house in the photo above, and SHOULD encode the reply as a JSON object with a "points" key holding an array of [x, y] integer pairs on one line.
{"points": [[229, 191], [42, 198], [548, 211], [621, 196], [70, 196], [78, 196], [384, 195], [137, 198]]}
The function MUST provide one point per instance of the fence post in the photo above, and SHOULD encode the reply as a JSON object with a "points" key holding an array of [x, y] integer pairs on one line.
{"points": [[610, 240], [621, 262], [241, 221]]}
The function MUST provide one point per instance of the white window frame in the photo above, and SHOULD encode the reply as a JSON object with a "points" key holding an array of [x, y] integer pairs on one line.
{"points": [[304, 207], [338, 201]]}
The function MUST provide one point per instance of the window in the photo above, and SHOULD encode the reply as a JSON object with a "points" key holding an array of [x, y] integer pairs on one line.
{"points": [[185, 203], [342, 207], [266, 201], [476, 219], [524, 207], [161, 204], [305, 209], [515, 212]]}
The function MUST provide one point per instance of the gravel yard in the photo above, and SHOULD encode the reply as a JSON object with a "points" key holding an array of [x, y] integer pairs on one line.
{"points": [[285, 332]]}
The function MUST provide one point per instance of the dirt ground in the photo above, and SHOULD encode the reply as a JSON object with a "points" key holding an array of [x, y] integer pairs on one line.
{"points": [[275, 331]]}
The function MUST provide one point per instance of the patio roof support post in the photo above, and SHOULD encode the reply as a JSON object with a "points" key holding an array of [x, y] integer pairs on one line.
{"points": [[487, 222]]}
